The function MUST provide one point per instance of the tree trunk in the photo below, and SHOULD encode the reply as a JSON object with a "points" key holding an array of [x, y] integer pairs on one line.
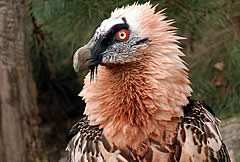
{"points": [[18, 111]]}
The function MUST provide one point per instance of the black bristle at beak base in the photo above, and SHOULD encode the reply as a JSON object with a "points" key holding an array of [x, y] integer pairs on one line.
{"points": [[93, 72]]}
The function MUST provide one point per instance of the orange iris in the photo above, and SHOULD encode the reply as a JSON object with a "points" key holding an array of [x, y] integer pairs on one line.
{"points": [[122, 35]]}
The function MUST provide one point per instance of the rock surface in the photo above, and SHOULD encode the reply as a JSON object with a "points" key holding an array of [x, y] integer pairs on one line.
{"points": [[230, 129]]}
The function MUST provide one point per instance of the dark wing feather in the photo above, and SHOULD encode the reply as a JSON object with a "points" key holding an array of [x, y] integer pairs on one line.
{"points": [[83, 142], [199, 135], [198, 139], [86, 143]]}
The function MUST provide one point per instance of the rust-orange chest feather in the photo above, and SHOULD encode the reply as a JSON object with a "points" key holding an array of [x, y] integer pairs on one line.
{"points": [[136, 94]]}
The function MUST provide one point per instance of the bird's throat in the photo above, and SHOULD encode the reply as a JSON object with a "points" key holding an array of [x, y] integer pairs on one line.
{"points": [[133, 101]]}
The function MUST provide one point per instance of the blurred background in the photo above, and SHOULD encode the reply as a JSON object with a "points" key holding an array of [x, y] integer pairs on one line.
{"points": [[38, 90]]}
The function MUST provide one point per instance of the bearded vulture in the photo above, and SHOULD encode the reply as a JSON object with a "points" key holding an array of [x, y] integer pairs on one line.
{"points": [[137, 94]]}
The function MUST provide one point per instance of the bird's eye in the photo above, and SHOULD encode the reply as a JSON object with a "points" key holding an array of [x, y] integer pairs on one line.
{"points": [[122, 35]]}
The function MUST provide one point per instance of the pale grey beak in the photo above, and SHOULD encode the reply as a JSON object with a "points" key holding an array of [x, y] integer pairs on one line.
{"points": [[81, 58]]}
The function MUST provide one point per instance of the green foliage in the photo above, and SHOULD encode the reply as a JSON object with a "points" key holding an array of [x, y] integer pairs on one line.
{"points": [[67, 24], [73, 21], [224, 95]]}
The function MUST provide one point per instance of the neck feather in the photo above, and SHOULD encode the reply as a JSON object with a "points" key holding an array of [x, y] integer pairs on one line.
{"points": [[137, 97]]}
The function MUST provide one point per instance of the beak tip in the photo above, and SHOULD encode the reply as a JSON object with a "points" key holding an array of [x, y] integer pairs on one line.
{"points": [[75, 62], [76, 68]]}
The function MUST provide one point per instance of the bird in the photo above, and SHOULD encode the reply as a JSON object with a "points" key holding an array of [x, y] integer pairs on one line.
{"points": [[138, 95]]}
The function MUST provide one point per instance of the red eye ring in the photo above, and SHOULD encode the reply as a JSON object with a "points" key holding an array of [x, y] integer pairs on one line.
{"points": [[122, 35]]}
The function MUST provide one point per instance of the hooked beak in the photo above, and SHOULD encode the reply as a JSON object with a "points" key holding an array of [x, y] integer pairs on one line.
{"points": [[87, 57], [81, 58]]}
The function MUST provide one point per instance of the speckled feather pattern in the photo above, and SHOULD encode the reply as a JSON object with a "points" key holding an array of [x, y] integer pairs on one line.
{"points": [[197, 140]]}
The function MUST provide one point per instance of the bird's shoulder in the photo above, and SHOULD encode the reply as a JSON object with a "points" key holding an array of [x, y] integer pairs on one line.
{"points": [[86, 143], [83, 142], [199, 137]]}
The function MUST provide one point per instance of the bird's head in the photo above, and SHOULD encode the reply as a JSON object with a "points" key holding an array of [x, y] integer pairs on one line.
{"points": [[125, 36]]}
